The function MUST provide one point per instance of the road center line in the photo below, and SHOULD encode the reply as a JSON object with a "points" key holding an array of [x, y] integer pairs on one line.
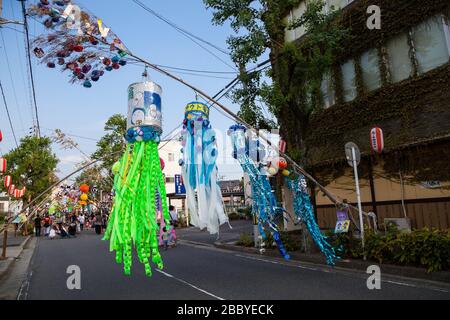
{"points": [[190, 285], [275, 262]]}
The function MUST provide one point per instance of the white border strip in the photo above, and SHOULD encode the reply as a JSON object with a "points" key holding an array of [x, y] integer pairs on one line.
{"points": [[190, 285]]}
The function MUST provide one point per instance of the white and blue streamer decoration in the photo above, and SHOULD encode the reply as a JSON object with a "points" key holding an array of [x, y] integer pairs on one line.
{"points": [[199, 169], [304, 211], [265, 206]]}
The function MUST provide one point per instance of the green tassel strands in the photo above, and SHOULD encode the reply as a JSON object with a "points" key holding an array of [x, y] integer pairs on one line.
{"points": [[133, 220]]}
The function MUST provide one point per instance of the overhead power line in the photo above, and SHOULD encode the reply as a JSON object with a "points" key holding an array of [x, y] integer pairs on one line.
{"points": [[178, 28], [187, 34], [27, 34], [7, 113]]}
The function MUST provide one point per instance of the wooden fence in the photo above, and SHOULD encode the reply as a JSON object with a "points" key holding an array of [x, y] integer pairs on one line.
{"points": [[431, 213]]}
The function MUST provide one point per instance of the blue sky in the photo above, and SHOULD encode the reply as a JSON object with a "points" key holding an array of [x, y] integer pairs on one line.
{"points": [[83, 112]]}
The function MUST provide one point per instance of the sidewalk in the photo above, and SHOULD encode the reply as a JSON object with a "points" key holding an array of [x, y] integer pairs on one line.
{"points": [[13, 251], [348, 264]]}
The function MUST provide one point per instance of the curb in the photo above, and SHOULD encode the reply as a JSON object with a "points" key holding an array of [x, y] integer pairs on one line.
{"points": [[349, 265], [6, 266]]}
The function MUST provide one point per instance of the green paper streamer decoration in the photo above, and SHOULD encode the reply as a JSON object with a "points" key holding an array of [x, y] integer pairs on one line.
{"points": [[138, 176]]}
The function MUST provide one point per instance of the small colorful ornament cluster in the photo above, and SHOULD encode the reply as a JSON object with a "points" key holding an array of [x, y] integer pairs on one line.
{"points": [[77, 41]]}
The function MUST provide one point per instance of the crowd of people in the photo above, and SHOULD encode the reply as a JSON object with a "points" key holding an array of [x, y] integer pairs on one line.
{"points": [[67, 225]]}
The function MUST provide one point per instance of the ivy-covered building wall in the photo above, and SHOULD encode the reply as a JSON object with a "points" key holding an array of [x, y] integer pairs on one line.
{"points": [[414, 113]]}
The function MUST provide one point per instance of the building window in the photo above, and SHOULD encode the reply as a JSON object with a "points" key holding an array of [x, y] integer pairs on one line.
{"points": [[337, 4], [2, 207], [400, 66], [431, 44], [294, 15], [349, 80], [327, 91], [370, 65], [171, 157]]}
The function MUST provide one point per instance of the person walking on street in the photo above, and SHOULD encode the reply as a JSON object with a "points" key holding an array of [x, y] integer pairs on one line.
{"points": [[38, 225], [165, 238], [81, 219], [47, 226], [98, 223]]}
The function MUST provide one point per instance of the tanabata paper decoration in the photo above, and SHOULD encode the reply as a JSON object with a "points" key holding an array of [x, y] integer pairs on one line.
{"points": [[265, 205], [84, 188], [137, 181], [1, 136], [304, 211], [84, 197], [199, 169], [77, 41]]}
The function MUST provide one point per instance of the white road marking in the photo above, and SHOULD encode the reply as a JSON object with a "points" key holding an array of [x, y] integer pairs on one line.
{"points": [[327, 271], [190, 285], [275, 262]]}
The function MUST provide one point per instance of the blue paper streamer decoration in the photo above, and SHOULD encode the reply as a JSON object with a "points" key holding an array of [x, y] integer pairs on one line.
{"points": [[265, 206], [304, 211]]}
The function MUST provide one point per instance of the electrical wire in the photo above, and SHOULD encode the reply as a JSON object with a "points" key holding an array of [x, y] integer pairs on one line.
{"points": [[187, 34], [26, 81], [178, 28], [9, 116], [27, 47], [12, 80]]}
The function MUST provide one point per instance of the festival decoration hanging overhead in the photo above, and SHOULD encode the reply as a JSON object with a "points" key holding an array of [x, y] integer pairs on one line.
{"points": [[77, 41], [304, 212], [1, 136], [138, 179], [265, 207], [199, 169]]}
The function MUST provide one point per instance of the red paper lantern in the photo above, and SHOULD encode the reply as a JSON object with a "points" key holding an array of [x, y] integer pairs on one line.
{"points": [[282, 146], [84, 188], [16, 193], [2, 165], [7, 181], [377, 140]]}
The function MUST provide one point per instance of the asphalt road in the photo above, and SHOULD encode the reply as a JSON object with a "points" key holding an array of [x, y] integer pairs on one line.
{"points": [[198, 272], [226, 233]]}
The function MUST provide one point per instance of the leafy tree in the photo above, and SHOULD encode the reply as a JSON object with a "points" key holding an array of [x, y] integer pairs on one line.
{"points": [[109, 150], [32, 165], [96, 176], [293, 94], [111, 145]]}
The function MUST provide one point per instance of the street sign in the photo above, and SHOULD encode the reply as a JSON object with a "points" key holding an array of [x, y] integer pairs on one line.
{"points": [[180, 189], [349, 147], [354, 158]]}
